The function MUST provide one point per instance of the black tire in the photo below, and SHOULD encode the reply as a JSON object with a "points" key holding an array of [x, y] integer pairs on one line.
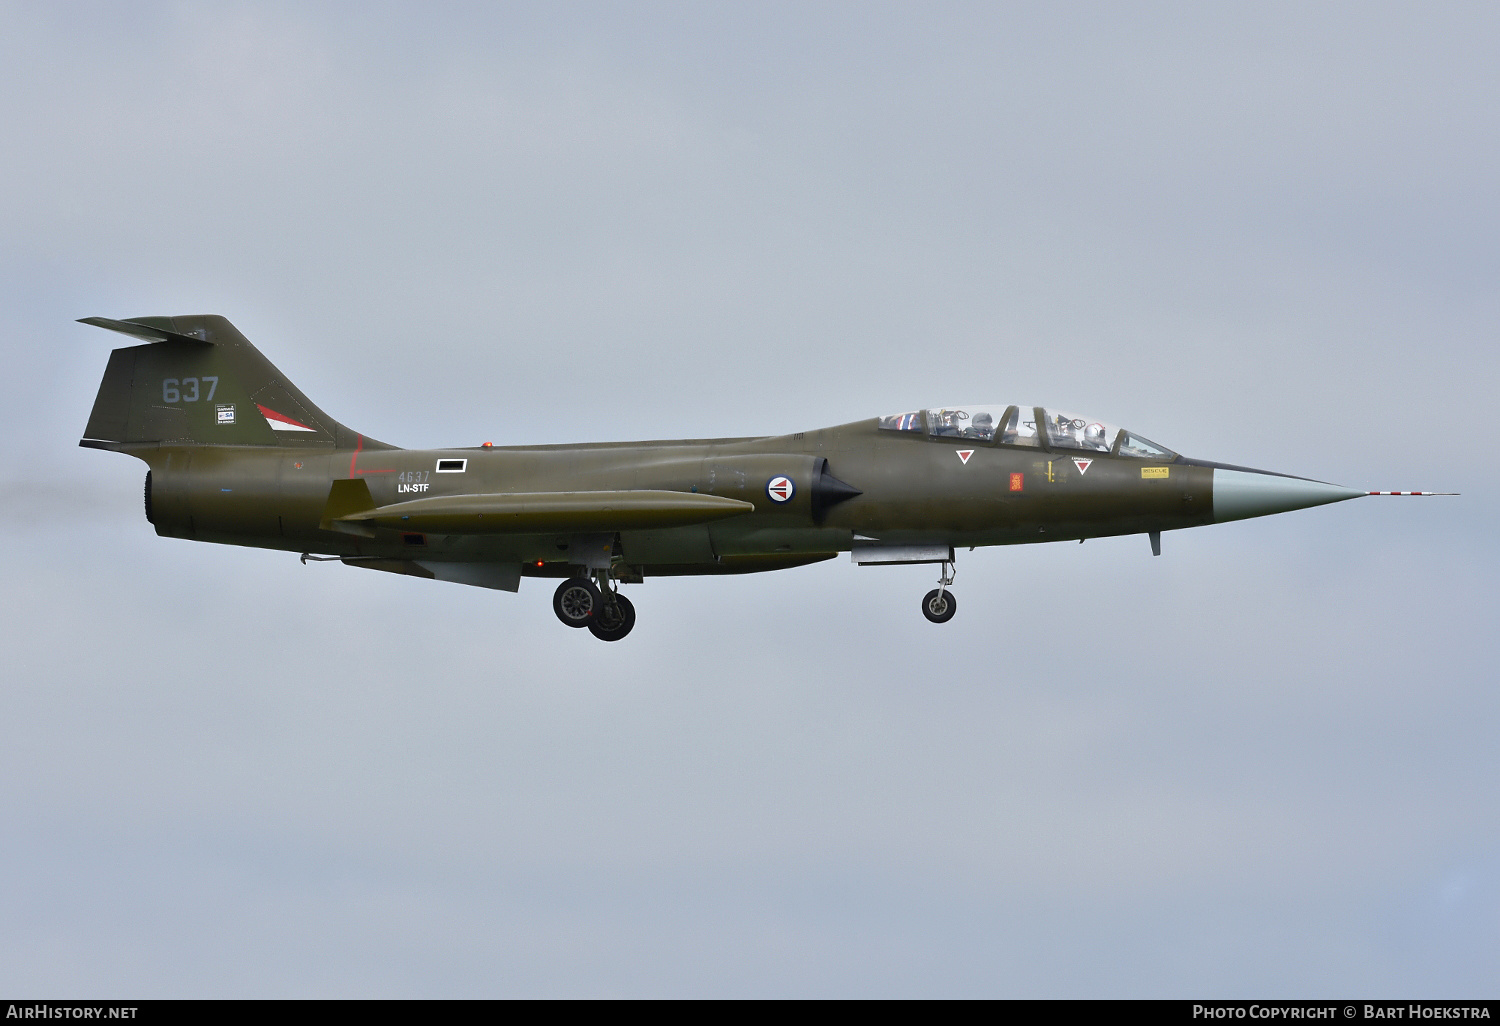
{"points": [[576, 601], [939, 605], [614, 620]]}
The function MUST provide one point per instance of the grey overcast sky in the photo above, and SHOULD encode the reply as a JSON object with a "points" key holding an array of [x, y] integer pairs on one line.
{"points": [[1263, 764]]}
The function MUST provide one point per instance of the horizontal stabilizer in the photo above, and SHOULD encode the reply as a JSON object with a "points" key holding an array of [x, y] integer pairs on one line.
{"points": [[548, 512], [145, 331]]}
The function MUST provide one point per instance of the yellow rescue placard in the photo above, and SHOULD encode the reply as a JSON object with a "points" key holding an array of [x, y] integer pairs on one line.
{"points": [[1155, 471]]}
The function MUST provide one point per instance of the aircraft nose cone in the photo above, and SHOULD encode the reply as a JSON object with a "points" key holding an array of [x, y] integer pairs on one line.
{"points": [[1240, 494]]}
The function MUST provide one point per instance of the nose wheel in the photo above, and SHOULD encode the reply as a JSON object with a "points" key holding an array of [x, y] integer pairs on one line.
{"points": [[939, 605]]}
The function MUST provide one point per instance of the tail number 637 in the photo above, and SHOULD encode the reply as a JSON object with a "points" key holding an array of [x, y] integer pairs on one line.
{"points": [[187, 389]]}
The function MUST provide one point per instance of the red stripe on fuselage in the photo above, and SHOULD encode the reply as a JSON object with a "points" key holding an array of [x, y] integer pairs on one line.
{"points": [[355, 455]]}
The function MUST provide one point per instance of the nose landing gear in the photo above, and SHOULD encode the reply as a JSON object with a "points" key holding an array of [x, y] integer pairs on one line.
{"points": [[939, 604]]}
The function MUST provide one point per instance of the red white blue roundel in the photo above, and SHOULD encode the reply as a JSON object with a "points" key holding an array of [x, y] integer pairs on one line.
{"points": [[780, 489]]}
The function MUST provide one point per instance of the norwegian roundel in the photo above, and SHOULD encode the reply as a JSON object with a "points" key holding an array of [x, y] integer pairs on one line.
{"points": [[780, 489]]}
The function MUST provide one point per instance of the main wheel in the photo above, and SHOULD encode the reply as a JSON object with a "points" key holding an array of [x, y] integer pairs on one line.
{"points": [[576, 601], [613, 620], [939, 605]]}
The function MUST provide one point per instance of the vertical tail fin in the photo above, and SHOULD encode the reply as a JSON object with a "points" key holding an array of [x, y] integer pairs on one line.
{"points": [[198, 381]]}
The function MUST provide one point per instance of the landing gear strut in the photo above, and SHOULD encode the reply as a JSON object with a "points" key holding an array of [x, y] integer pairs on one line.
{"points": [[939, 605], [615, 619], [615, 615]]}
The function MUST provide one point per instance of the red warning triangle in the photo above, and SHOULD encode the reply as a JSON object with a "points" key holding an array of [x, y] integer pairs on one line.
{"points": [[1082, 465], [964, 454]]}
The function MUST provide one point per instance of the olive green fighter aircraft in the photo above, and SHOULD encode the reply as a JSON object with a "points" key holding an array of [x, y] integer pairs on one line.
{"points": [[238, 455]]}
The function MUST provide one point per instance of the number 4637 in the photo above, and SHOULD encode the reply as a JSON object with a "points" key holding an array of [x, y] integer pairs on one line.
{"points": [[187, 390]]}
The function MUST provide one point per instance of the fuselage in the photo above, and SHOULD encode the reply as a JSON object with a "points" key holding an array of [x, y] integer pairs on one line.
{"points": [[912, 489]]}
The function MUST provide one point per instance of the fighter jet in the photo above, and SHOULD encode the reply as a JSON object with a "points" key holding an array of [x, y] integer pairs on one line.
{"points": [[238, 455]]}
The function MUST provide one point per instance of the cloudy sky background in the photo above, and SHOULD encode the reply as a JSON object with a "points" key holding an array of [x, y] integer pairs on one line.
{"points": [[1263, 764]]}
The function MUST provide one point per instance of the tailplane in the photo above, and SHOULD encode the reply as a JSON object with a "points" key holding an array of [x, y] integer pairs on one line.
{"points": [[198, 381]]}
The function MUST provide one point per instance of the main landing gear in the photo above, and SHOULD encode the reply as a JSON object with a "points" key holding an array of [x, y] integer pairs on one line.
{"points": [[579, 602], [939, 605], [615, 618], [575, 600]]}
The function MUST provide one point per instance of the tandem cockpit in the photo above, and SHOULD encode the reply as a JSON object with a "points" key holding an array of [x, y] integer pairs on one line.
{"points": [[1026, 426]]}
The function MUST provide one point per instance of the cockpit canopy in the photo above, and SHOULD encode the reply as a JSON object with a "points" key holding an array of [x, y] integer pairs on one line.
{"points": [[1020, 425]]}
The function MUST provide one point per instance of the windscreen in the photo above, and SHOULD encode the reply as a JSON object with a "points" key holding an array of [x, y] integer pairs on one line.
{"points": [[1143, 448]]}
